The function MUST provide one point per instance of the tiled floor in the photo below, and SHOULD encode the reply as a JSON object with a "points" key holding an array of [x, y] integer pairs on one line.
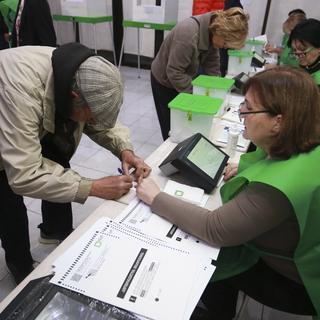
{"points": [[90, 160]]}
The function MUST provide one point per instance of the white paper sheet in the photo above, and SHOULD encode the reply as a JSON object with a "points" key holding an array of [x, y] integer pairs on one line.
{"points": [[134, 271], [138, 216], [182, 191]]}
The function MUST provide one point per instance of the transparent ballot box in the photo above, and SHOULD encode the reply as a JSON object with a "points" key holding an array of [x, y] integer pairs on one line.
{"points": [[212, 86], [190, 114], [239, 61], [149, 11], [86, 8], [254, 45]]}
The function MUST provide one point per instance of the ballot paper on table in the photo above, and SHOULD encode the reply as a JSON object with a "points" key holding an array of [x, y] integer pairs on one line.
{"points": [[133, 271], [139, 217], [190, 194]]}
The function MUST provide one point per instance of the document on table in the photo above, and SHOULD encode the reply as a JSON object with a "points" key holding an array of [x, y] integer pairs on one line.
{"points": [[139, 217], [186, 193], [134, 271], [232, 115], [223, 136]]}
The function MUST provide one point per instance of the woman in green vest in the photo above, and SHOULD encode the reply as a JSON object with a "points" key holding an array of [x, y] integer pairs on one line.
{"points": [[304, 41], [268, 225], [285, 58]]}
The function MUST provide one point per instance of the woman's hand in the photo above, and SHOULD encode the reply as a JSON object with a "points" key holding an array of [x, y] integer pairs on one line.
{"points": [[231, 171], [147, 190]]}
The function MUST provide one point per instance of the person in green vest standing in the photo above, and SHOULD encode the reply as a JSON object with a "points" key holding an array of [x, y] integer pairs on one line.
{"points": [[268, 225], [304, 42], [294, 17]]}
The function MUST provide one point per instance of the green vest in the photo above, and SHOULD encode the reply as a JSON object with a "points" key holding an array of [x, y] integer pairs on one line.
{"points": [[299, 179], [316, 77], [285, 57]]}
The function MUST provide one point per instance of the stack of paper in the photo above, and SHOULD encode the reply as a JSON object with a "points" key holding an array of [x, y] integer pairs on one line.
{"points": [[186, 193], [138, 263]]}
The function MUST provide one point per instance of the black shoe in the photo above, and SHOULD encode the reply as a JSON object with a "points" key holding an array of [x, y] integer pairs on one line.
{"points": [[200, 314], [18, 272], [52, 238]]}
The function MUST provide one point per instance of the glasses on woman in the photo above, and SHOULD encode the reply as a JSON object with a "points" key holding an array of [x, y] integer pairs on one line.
{"points": [[242, 114], [300, 54]]}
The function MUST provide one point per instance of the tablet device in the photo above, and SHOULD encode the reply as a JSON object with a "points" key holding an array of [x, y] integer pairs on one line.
{"points": [[257, 60], [198, 160]]}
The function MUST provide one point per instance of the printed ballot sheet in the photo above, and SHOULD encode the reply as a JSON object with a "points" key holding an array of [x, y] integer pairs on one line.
{"points": [[134, 271], [139, 217]]}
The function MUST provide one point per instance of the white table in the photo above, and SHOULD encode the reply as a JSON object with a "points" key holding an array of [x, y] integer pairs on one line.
{"points": [[109, 209]]}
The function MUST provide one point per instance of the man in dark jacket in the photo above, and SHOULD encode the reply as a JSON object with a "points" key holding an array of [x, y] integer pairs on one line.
{"points": [[33, 24], [4, 34]]}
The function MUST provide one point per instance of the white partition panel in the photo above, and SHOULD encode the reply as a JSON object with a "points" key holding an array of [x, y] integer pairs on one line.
{"points": [[103, 35], [256, 8], [147, 36], [86, 8]]}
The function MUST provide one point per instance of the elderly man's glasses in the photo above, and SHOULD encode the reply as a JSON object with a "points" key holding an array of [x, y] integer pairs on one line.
{"points": [[301, 54], [242, 114]]}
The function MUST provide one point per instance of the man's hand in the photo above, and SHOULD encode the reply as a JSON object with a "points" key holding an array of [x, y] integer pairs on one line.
{"points": [[147, 190], [130, 160], [112, 187], [272, 49]]}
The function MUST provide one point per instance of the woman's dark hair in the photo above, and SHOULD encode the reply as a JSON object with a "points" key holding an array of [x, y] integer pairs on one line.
{"points": [[296, 11], [307, 31], [293, 94]]}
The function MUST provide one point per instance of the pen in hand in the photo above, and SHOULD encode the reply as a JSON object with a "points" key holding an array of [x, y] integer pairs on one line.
{"points": [[131, 171]]}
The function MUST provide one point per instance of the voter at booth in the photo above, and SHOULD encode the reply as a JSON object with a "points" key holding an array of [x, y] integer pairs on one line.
{"points": [[269, 221], [51, 97], [305, 47], [294, 17], [192, 46]]}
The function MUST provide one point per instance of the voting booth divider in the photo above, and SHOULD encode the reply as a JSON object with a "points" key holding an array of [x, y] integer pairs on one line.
{"points": [[86, 8], [149, 11]]}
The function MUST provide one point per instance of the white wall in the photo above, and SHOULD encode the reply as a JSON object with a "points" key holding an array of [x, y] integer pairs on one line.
{"points": [[256, 10], [278, 14]]}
